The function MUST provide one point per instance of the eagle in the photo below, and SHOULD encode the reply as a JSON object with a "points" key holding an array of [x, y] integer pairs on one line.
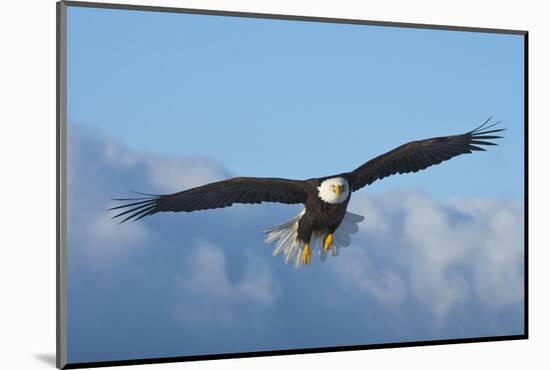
{"points": [[324, 224]]}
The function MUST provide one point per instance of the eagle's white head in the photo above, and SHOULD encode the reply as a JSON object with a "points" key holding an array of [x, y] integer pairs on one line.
{"points": [[335, 190]]}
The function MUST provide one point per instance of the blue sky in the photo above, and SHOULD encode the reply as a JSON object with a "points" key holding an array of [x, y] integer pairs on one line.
{"points": [[296, 99], [161, 102]]}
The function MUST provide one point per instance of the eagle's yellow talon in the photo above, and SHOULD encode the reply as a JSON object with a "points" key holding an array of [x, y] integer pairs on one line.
{"points": [[327, 244], [306, 256]]}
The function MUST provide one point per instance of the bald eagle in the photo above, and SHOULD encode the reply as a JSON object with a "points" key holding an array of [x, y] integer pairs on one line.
{"points": [[324, 222]]}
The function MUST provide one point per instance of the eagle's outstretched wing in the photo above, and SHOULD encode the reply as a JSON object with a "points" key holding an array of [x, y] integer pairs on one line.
{"points": [[417, 155], [215, 195]]}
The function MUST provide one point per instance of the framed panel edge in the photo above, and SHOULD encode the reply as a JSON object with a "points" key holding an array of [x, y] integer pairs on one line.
{"points": [[289, 17], [61, 190]]}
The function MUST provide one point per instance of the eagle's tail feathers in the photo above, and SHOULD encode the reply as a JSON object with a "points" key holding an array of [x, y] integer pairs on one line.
{"points": [[288, 243]]}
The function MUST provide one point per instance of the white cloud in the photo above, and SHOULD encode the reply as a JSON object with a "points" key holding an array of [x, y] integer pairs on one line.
{"points": [[110, 239], [376, 215], [444, 255], [165, 173], [356, 269], [207, 296], [498, 264], [434, 246], [172, 174], [100, 168]]}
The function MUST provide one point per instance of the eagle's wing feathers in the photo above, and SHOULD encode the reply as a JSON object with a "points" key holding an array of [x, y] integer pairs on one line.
{"points": [[215, 195], [418, 155]]}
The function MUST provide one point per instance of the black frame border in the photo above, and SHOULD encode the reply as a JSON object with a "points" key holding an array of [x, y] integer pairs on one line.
{"points": [[61, 121]]}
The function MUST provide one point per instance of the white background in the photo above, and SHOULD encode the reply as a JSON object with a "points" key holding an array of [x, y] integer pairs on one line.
{"points": [[27, 145]]}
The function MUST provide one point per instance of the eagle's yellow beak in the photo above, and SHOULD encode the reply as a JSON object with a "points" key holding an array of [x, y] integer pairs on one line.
{"points": [[338, 189]]}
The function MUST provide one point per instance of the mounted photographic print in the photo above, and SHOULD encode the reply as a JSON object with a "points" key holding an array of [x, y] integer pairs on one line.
{"points": [[236, 185]]}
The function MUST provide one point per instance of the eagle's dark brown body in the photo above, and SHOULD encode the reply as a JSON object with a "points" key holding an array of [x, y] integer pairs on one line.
{"points": [[320, 215]]}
